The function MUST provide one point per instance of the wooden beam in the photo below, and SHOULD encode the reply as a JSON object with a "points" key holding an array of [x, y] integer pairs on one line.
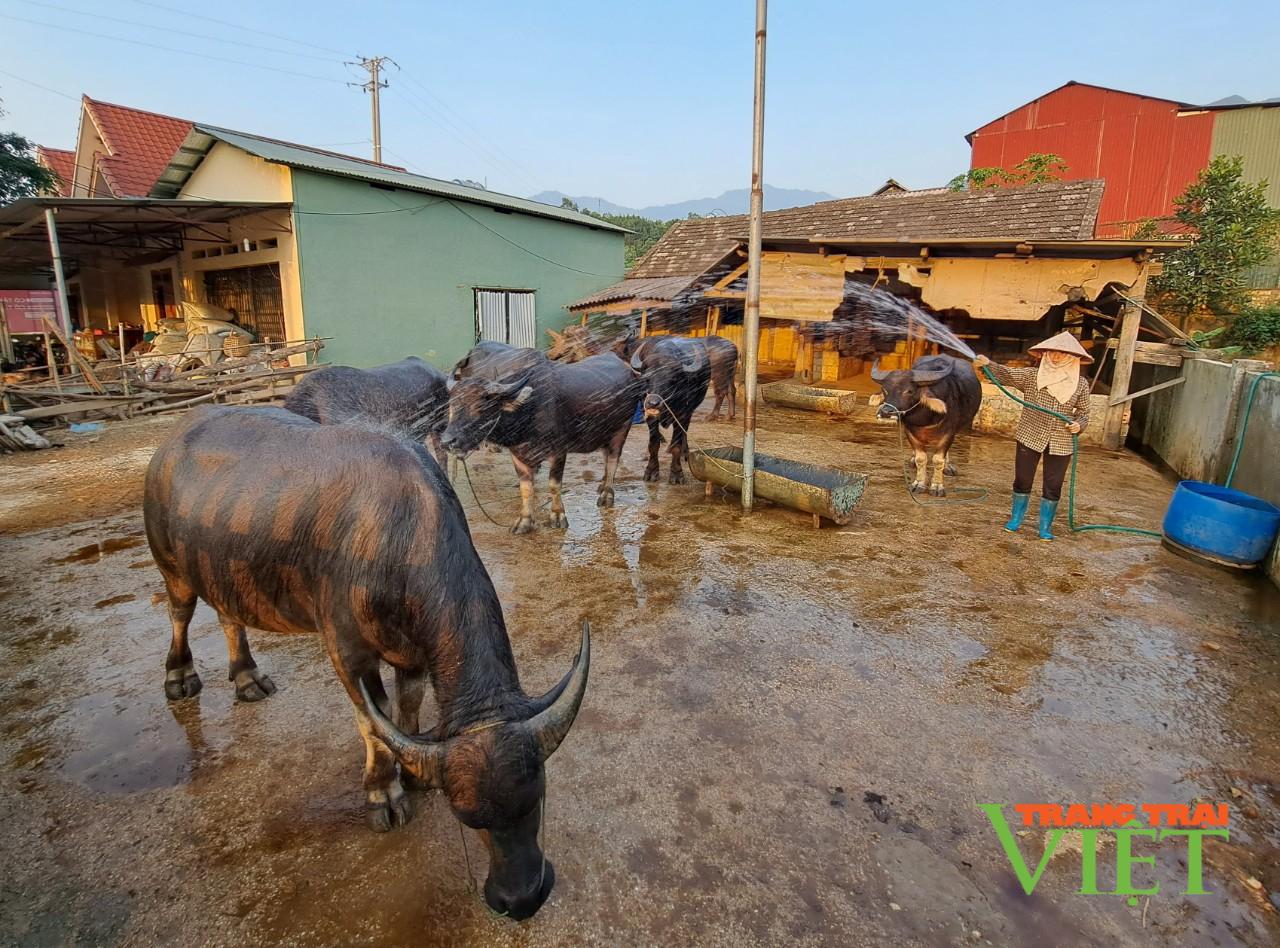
{"points": [[1112, 402], [73, 355], [1154, 353], [1112, 436]]}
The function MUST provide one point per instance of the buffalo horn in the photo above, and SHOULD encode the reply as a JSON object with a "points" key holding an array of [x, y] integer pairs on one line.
{"points": [[550, 725], [878, 374], [637, 364], [925, 376], [422, 758], [504, 389]]}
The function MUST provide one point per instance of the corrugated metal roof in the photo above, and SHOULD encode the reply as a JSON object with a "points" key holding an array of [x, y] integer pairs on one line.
{"points": [[326, 162], [660, 288]]}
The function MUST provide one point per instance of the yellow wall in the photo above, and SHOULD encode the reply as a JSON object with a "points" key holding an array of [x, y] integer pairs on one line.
{"points": [[229, 174]]}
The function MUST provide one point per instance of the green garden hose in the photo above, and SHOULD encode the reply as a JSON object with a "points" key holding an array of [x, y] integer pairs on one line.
{"points": [[1248, 407], [1075, 462]]}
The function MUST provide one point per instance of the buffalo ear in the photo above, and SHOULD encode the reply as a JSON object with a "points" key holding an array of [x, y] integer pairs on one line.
{"points": [[876, 400], [878, 374], [518, 399], [934, 404]]}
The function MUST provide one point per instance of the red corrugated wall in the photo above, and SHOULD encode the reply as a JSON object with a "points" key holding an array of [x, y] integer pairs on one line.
{"points": [[1145, 151]]}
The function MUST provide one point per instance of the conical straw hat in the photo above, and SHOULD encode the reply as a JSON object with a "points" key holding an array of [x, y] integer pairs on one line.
{"points": [[1063, 342]]}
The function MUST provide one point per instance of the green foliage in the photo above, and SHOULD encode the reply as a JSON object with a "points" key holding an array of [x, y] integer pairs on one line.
{"points": [[1234, 229], [644, 231], [1036, 168], [20, 174], [568, 202], [1255, 328], [1148, 230]]}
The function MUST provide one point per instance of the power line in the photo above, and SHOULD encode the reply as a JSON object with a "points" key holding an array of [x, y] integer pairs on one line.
{"points": [[237, 26], [168, 29], [31, 82], [532, 253], [374, 85], [167, 49], [447, 109]]}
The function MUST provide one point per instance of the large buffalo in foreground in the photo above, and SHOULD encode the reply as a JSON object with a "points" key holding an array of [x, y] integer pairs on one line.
{"points": [[934, 400], [542, 410], [676, 373], [409, 396], [282, 524]]}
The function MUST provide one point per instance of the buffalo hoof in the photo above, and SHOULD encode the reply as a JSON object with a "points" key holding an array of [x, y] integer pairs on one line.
{"points": [[677, 477], [253, 685], [559, 521], [390, 813], [938, 490], [523, 525], [950, 470], [182, 683], [651, 474], [919, 487], [714, 416], [604, 498]]}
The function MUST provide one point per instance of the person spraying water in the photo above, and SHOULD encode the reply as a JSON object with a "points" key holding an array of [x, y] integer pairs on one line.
{"points": [[1057, 385]]}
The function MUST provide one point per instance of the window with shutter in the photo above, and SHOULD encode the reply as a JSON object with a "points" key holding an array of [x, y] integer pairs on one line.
{"points": [[506, 316]]}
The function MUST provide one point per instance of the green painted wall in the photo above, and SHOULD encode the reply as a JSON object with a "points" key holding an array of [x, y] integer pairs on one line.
{"points": [[386, 283]]}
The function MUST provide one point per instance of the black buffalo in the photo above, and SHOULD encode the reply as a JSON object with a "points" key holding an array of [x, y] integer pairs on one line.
{"points": [[724, 370], [676, 372], [542, 410], [934, 400], [408, 396], [282, 524]]}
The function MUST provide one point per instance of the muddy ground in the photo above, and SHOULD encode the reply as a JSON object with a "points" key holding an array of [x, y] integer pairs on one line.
{"points": [[786, 737]]}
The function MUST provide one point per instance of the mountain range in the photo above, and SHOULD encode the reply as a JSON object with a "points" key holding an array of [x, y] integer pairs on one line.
{"points": [[730, 202]]}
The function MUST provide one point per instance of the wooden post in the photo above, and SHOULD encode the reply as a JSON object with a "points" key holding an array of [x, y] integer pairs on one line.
{"points": [[644, 323], [1131, 320], [53, 366]]}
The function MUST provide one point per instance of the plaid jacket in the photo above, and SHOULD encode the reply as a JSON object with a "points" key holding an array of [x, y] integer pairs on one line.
{"points": [[1036, 429]]}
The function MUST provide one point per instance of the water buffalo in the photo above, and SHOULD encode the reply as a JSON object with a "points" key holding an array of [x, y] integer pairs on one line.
{"points": [[542, 410], [676, 373], [724, 370], [409, 396], [934, 400], [283, 524]]}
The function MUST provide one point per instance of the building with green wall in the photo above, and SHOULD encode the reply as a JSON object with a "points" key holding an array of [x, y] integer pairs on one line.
{"points": [[387, 263]]}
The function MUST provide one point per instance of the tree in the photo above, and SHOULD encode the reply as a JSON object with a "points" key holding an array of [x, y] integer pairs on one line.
{"points": [[1037, 168], [20, 174], [1234, 229], [569, 203]]}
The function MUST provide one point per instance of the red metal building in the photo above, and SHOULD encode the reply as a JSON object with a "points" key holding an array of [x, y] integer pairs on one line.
{"points": [[1146, 149]]}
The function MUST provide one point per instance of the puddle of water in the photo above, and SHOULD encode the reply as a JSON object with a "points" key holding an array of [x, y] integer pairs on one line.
{"points": [[96, 551]]}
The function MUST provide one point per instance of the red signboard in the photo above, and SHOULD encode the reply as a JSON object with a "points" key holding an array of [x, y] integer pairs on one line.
{"points": [[23, 309]]}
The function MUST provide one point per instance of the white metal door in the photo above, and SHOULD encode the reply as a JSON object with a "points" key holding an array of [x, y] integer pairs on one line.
{"points": [[506, 316], [521, 324]]}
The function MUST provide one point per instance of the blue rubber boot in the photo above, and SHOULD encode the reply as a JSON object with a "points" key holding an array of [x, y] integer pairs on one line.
{"points": [[1018, 512], [1048, 509]]}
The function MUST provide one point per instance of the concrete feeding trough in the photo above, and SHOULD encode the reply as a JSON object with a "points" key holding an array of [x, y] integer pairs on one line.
{"points": [[823, 492], [833, 401]]}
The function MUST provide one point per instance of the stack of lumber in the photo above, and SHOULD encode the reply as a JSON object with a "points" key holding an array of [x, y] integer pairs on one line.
{"points": [[89, 390]]}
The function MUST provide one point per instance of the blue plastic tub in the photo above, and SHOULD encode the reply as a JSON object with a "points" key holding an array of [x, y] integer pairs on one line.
{"points": [[1221, 524]]}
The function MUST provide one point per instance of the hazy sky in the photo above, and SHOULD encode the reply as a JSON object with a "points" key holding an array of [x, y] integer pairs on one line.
{"points": [[639, 102]]}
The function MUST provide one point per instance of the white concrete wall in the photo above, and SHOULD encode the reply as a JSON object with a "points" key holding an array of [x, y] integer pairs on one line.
{"points": [[1195, 427]]}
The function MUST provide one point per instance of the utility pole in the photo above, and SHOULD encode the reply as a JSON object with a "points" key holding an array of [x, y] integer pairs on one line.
{"points": [[373, 65], [751, 317]]}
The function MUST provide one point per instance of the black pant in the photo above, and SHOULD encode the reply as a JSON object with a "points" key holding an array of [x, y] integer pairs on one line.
{"points": [[1024, 472]]}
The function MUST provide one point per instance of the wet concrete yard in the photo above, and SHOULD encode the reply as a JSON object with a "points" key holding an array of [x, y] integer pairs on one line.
{"points": [[786, 736]]}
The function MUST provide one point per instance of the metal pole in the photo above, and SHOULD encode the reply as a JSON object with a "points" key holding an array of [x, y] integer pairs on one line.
{"points": [[58, 276], [751, 319]]}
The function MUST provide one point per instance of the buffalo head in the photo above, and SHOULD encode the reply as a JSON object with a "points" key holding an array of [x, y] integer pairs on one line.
{"points": [[906, 389], [492, 775], [668, 365], [476, 407]]}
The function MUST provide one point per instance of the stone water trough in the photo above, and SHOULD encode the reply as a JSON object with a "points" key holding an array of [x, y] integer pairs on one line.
{"points": [[824, 492], [834, 401]]}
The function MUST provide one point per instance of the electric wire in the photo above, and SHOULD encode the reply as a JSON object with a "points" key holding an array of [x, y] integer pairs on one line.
{"points": [[62, 28], [237, 26], [168, 29]]}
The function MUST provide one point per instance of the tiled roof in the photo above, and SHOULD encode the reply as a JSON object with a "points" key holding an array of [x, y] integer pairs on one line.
{"points": [[658, 288], [61, 162], [1064, 210], [140, 145]]}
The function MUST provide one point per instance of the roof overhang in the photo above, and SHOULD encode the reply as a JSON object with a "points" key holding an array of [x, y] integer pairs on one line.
{"points": [[973, 247], [121, 230]]}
